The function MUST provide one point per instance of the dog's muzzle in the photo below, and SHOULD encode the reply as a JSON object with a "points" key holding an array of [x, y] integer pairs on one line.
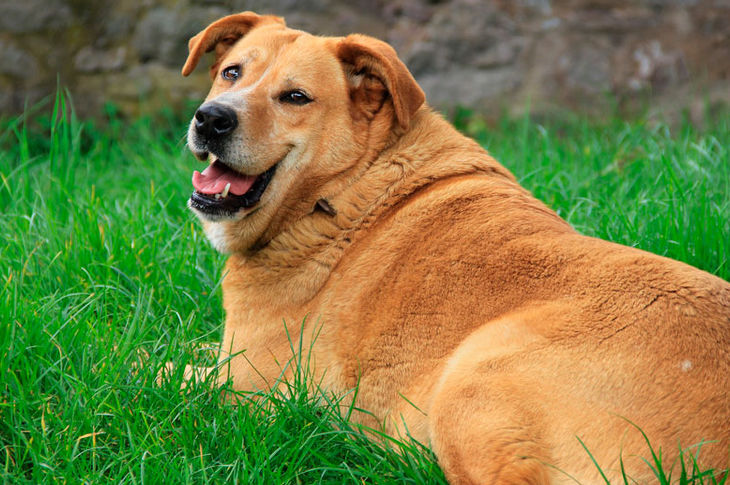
{"points": [[220, 190]]}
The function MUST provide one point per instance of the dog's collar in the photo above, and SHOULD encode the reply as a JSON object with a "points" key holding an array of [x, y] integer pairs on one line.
{"points": [[323, 205]]}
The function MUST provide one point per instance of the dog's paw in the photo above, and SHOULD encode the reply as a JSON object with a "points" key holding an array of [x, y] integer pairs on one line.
{"points": [[190, 374], [164, 374], [141, 359]]}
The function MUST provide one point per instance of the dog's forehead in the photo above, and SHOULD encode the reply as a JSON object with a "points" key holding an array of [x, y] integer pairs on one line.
{"points": [[271, 41], [284, 53]]}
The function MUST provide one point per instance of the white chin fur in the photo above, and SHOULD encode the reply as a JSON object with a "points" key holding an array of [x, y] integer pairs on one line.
{"points": [[216, 234]]}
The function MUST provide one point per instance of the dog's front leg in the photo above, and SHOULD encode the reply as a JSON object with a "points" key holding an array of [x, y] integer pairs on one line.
{"points": [[190, 373]]}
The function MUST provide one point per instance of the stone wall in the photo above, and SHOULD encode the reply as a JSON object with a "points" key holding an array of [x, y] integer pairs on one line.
{"points": [[488, 55]]}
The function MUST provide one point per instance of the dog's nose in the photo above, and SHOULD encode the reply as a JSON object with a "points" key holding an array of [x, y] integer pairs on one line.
{"points": [[213, 120]]}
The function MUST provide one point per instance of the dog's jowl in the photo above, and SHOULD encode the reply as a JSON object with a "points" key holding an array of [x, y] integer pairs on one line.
{"points": [[467, 312]]}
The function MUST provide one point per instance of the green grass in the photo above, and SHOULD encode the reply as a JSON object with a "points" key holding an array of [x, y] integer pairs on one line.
{"points": [[102, 267]]}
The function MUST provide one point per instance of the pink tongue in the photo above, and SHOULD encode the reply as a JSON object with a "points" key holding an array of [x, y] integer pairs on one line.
{"points": [[214, 179]]}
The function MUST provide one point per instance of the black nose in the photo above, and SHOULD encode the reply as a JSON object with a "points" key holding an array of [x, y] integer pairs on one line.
{"points": [[214, 120]]}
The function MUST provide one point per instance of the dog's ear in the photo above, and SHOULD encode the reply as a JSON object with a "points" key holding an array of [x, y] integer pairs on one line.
{"points": [[374, 72], [222, 34]]}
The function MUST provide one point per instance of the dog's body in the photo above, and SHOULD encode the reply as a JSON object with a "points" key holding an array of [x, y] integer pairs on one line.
{"points": [[469, 314]]}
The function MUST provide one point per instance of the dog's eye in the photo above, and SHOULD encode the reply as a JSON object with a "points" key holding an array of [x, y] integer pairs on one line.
{"points": [[231, 73], [295, 97]]}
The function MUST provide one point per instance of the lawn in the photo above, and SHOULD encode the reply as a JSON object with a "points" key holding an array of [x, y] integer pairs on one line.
{"points": [[102, 268]]}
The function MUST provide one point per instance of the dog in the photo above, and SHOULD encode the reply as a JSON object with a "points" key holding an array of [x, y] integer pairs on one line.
{"points": [[412, 265]]}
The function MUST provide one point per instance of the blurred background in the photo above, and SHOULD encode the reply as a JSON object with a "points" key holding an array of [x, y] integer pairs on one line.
{"points": [[494, 57]]}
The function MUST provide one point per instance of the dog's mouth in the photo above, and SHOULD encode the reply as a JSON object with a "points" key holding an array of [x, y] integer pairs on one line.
{"points": [[221, 191]]}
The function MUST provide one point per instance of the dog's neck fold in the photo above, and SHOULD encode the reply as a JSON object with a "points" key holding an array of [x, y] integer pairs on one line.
{"points": [[313, 245]]}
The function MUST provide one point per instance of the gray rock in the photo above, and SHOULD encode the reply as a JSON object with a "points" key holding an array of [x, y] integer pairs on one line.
{"points": [[586, 68], [486, 54], [34, 15], [656, 67], [464, 33], [470, 87], [90, 59], [16, 62], [162, 35]]}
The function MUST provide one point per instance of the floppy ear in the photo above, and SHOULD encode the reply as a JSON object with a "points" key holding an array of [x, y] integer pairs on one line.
{"points": [[374, 70], [222, 34]]}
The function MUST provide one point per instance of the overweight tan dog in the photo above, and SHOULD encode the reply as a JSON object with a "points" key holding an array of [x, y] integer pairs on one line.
{"points": [[468, 313]]}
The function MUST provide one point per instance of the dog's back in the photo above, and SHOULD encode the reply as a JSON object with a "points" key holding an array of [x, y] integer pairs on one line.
{"points": [[509, 334]]}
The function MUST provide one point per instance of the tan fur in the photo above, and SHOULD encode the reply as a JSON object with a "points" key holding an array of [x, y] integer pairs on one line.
{"points": [[469, 313]]}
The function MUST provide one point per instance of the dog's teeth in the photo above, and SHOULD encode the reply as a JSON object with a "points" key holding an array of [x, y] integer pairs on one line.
{"points": [[217, 196], [225, 191]]}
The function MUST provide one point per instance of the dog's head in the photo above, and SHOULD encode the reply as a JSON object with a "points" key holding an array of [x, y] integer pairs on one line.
{"points": [[287, 121]]}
